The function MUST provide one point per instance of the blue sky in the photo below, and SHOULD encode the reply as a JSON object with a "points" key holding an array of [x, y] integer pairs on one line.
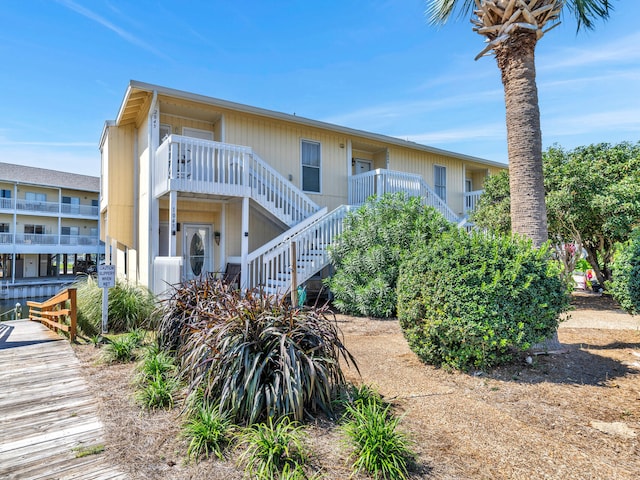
{"points": [[374, 65]]}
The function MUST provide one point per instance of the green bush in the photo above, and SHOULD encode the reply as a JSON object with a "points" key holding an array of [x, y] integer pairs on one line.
{"points": [[130, 306], [380, 448], [207, 431], [274, 450], [252, 355], [624, 286], [156, 379], [122, 348], [367, 255], [469, 300]]}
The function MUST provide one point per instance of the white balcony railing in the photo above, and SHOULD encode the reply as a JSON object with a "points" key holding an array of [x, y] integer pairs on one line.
{"points": [[38, 207], [381, 181], [191, 165], [49, 239], [471, 200]]}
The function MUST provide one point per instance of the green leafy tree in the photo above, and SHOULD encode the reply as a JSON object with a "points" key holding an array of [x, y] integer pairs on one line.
{"points": [[592, 195], [625, 283], [512, 30], [367, 255]]}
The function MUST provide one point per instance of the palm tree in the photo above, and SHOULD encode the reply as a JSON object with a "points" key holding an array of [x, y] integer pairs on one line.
{"points": [[512, 29]]}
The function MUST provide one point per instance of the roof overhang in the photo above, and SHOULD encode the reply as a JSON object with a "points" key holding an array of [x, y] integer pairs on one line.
{"points": [[138, 94]]}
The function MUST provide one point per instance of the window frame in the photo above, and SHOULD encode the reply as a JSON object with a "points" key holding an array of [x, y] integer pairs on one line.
{"points": [[303, 166], [437, 187]]}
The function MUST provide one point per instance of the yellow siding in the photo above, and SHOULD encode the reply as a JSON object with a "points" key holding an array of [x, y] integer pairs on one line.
{"points": [[119, 191], [178, 123], [279, 143], [50, 223]]}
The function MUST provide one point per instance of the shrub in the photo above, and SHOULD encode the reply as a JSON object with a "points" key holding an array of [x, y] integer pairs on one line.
{"points": [[625, 273], [130, 306], [380, 449], [468, 300], [367, 255], [122, 348], [156, 379], [274, 450], [254, 355], [207, 431]]}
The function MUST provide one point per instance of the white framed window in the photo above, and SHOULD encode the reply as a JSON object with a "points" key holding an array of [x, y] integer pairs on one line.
{"points": [[197, 133], [35, 197], [440, 181], [310, 159], [70, 231], [165, 131], [4, 228], [4, 193], [34, 229]]}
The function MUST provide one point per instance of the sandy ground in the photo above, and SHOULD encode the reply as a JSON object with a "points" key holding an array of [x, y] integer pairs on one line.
{"points": [[569, 416]]}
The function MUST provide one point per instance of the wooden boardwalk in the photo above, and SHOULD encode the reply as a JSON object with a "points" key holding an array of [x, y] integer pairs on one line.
{"points": [[47, 414]]}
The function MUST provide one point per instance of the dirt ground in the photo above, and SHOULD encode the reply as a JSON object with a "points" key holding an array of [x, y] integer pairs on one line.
{"points": [[574, 415]]}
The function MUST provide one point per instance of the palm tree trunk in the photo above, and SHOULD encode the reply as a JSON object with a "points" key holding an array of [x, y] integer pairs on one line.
{"points": [[515, 59]]}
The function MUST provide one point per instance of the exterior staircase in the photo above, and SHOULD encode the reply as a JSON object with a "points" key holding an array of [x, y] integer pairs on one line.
{"points": [[197, 166]]}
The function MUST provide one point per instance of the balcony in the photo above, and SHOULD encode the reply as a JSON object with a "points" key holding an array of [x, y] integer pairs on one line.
{"points": [[49, 208], [471, 200], [49, 239], [186, 164]]}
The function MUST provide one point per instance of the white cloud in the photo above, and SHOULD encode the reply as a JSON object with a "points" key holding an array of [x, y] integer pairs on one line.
{"points": [[467, 134], [129, 37], [594, 123]]}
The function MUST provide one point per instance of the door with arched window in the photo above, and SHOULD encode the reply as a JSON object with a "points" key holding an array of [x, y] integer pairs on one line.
{"points": [[197, 250]]}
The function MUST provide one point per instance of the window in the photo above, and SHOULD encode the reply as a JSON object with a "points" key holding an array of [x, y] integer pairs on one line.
{"points": [[34, 229], [5, 193], [310, 166], [165, 131], [69, 230], [4, 228], [5, 198], [35, 197], [440, 181], [70, 205]]}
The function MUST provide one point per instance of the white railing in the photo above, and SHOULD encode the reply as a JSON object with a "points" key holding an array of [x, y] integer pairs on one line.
{"points": [[471, 200], [49, 207], [49, 239], [270, 266], [274, 192], [381, 181], [192, 165], [208, 167]]}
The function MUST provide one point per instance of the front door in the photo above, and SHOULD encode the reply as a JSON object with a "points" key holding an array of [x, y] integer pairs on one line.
{"points": [[197, 250], [362, 166]]}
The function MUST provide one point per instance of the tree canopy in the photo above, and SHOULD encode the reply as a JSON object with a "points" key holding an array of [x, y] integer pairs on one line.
{"points": [[592, 198]]}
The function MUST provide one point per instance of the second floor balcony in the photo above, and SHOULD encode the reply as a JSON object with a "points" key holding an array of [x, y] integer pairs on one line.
{"points": [[35, 207], [47, 239]]}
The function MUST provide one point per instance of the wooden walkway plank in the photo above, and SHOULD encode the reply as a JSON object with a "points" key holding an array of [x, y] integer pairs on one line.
{"points": [[46, 410]]}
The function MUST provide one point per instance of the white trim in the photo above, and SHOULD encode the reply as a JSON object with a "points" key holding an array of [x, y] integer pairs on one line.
{"points": [[319, 192], [197, 133]]}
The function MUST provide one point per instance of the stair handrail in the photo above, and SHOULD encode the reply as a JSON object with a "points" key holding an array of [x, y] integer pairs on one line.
{"points": [[411, 183], [275, 259], [295, 196]]}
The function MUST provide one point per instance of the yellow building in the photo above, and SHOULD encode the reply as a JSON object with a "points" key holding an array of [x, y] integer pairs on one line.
{"points": [[192, 184], [48, 229]]}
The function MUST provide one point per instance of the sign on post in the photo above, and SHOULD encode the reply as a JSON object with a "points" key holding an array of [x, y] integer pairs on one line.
{"points": [[106, 276], [106, 280]]}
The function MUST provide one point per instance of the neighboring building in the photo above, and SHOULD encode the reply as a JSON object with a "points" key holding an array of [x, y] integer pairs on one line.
{"points": [[192, 184], [49, 229]]}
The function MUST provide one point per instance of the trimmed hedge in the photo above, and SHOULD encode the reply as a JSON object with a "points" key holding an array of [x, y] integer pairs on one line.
{"points": [[625, 272], [469, 300]]}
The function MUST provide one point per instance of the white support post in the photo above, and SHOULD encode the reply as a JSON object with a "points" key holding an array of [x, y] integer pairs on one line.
{"points": [[173, 221], [294, 274], [244, 244], [223, 234]]}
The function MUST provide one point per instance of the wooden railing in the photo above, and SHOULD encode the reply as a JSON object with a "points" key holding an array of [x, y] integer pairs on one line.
{"points": [[57, 313]]}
